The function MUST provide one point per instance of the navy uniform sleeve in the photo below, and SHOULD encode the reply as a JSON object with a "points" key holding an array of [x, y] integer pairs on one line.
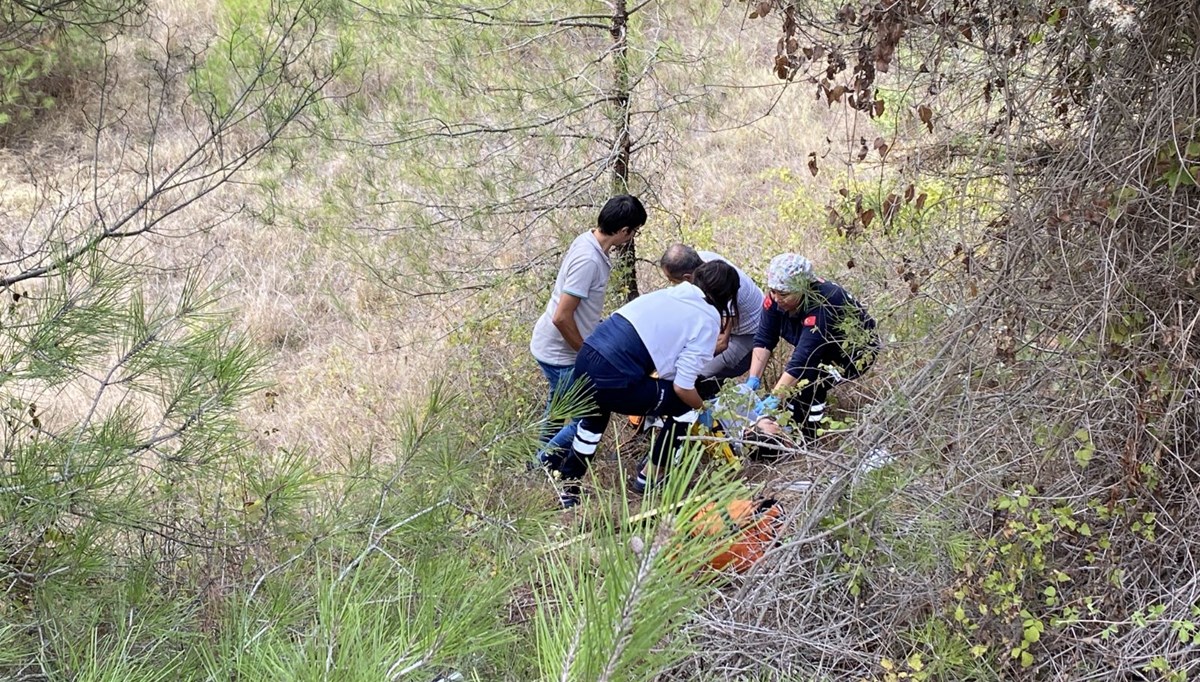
{"points": [[814, 333], [769, 324]]}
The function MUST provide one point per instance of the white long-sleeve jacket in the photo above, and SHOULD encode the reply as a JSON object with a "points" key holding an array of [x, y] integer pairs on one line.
{"points": [[679, 329]]}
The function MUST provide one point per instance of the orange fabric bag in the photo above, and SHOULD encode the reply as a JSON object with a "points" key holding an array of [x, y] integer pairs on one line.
{"points": [[753, 527]]}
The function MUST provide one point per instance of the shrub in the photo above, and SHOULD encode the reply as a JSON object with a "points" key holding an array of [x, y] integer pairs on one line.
{"points": [[48, 47]]}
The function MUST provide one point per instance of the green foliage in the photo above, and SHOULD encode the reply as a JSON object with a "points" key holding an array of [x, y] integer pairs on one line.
{"points": [[146, 541], [1178, 164], [897, 104], [377, 621], [152, 538], [873, 525], [260, 62], [158, 384], [609, 604], [47, 49], [943, 654], [1021, 589]]}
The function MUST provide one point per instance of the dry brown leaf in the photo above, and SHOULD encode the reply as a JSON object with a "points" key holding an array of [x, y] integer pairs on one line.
{"points": [[891, 206], [926, 115]]}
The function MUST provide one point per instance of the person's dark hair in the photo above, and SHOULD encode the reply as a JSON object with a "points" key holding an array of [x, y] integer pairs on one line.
{"points": [[719, 281], [620, 212], [679, 260]]}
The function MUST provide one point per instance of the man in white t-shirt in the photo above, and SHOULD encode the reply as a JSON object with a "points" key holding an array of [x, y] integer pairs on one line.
{"points": [[577, 301], [731, 357]]}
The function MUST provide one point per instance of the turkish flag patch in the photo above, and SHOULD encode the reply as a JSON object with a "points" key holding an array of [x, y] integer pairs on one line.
{"points": [[810, 321], [766, 302]]}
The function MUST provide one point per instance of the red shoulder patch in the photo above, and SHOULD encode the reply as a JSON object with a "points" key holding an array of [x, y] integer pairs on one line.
{"points": [[766, 302], [810, 321]]}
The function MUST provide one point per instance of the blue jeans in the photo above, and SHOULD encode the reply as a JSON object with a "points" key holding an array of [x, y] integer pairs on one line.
{"points": [[560, 378]]}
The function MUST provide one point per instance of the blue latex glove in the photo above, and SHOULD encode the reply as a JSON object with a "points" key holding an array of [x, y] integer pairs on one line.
{"points": [[752, 383], [706, 418], [768, 403]]}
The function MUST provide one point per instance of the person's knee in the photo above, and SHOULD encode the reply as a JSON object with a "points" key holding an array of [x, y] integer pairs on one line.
{"points": [[728, 364], [708, 387]]}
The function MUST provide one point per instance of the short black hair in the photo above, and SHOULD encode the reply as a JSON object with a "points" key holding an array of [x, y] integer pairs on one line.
{"points": [[719, 281], [679, 260], [619, 212]]}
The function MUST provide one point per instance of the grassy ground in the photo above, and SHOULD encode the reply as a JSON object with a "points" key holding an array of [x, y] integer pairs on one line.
{"points": [[348, 351], [375, 264]]}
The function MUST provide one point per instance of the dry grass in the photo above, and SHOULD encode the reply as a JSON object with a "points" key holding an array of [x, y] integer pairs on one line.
{"points": [[348, 352]]}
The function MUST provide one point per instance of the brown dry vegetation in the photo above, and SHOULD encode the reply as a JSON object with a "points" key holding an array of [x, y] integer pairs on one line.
{"points": [[1037, 288], [348, 353]]}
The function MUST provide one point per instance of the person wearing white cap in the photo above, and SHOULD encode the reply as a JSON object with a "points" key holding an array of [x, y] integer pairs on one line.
{"points": [[833, 339]]}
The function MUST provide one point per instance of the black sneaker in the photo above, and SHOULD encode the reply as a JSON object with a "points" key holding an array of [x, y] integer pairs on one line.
{"points": [[568, 496], [544, 459], [640, 484]]}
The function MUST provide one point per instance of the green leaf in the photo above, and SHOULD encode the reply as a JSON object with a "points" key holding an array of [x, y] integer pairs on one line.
{"points": [[914, 662], [1083, 456]]}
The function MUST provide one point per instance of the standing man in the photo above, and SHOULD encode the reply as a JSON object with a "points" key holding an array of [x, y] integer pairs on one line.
{"points": [[832, 335], [732, 353], [577, 301]]}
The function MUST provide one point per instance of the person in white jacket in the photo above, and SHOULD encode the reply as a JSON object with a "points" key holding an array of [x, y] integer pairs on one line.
{"points": [[670, 333]]}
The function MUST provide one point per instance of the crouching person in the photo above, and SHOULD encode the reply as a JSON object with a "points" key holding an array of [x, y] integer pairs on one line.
{"points": [[833, 339], [736, 340], [670, 333]]}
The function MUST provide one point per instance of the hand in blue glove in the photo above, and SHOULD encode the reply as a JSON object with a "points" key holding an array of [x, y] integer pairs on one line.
{"points": [[752, 383], [769, 403], [706, 418]]}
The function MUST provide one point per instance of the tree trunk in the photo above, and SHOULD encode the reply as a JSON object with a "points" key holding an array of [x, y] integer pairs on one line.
{"points": [[626, 254]]}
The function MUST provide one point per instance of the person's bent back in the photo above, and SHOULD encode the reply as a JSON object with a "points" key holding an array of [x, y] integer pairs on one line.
{"points": [[671, 333]]}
